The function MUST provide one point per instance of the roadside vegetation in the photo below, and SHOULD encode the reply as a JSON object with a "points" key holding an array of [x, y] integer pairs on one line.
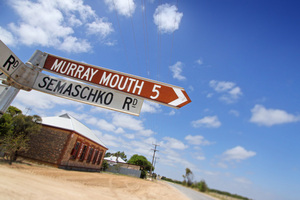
{"points": [[15, 132], [202, 187]]}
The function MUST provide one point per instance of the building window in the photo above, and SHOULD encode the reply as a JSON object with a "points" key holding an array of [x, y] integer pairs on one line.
{"points": [[90, 155], [95, 157], [100, 157], [75, 150], [83, 153]]}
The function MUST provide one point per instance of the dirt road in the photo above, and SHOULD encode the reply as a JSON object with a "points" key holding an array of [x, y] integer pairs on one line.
{"points": [[30, 181]]}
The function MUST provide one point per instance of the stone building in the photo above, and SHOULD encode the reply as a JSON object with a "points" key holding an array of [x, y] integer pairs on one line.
{"points": [[66, 143]]}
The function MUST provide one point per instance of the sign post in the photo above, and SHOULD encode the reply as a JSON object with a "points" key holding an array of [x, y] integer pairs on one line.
{"points": [[166, 94], [127, 95], [6, 97], [28, 76]]}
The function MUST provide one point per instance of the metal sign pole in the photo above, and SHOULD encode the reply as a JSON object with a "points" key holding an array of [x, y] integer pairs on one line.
{"points": [[6, 97]]}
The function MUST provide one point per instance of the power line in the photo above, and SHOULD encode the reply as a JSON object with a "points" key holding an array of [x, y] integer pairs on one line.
{"points": [[124, 45], [134, 38], [146, 40], [171, 54], [159, 47]]}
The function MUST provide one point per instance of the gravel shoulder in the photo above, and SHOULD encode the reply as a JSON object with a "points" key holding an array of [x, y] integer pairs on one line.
{"points": [[31, 181]]}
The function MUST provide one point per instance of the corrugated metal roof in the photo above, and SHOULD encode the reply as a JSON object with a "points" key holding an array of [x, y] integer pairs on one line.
{"points": [[68, 122], [114, 159]]}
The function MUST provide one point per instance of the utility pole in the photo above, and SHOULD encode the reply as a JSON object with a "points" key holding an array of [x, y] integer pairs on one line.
{"points": [[28, 110], [155, 161], [154, 150]]}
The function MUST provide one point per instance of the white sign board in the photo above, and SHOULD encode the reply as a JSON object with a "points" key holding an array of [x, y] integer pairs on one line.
{"points": [[9, 62], [88, 94]]}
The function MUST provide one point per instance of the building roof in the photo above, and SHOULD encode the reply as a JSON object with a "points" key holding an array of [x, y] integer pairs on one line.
{"points": [[68, 122], [114, 159]]}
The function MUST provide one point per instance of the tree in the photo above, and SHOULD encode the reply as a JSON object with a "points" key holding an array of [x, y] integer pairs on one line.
{"points": [[10, 144], [108, 154], [6, 120], [121, 155], [184, 180], [189, 176], [16, 129], [104, 165], [142, 162]]}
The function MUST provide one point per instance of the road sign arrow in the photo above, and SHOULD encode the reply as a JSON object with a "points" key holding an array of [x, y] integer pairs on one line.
{"points": [[181, 98], [158, 92]]}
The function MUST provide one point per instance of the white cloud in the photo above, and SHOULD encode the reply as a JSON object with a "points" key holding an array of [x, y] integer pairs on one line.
{"points": [[171, 113], [196, 140], [123, 7], [100, 27], [150, 107], [41, 101], [104, 125], [199, 61], [108, 139], [270, 117], [230, 92], [167, 18], [200, 158], [173, 143], [208, 121], [6, 37], [221, 86], [73, 44], [237, 153], [119, 130], [243, 180], [177, 70], [234, 112], [52, 23], [146, 132], [174, 159], [128, 122]]}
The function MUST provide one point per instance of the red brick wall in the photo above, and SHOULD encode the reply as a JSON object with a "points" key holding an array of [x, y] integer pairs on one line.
{"points": [[68, 162], [47, 145], [54, 146]]}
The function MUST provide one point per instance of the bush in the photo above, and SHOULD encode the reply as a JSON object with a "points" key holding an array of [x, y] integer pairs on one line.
{"points": [[202, 186]]}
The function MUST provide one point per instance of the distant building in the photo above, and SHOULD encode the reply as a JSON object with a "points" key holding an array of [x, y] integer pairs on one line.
{"points": [[112, 160], [119, 166], [66, 143]]}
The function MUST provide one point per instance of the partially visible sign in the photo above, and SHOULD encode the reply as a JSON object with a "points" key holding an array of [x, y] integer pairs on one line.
{"points": [[9, 62], [88, 94], [2, 76], [158, 92]]}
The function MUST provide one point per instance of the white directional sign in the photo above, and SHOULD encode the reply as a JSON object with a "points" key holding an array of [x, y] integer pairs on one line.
{"points": [[9, 62], [88, 94]]}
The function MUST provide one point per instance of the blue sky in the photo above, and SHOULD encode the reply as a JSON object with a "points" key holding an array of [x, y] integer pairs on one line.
{"points": [[237, 60]]}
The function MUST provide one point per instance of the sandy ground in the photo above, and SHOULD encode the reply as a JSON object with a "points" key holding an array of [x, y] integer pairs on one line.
{"points": [[31, 181]]}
